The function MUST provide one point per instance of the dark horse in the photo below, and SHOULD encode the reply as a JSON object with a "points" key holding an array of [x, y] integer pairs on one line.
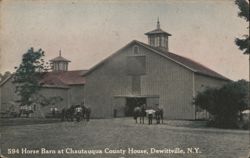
{"points": [[86, 112], [159, 115], [78, 111], [140, 112], [68, 113]]}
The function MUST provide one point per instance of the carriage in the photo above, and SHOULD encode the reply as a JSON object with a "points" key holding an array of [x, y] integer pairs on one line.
{"points": [[78, 112]]}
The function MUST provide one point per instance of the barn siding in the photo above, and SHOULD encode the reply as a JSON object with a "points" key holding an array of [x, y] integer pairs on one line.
{"points": [[76, 94], [201, 84], [72, 96], [119, 104], [54, 92], [103, 84], [172, 83], [8, 95]]}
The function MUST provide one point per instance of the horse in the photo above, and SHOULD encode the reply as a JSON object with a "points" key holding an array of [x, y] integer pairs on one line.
{"points": [[140, 112], [86, 112], [68, 113], [78, 113], [159, 115], [137, 111]]}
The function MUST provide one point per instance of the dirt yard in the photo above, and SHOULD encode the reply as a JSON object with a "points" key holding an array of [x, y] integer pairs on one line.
{"points": [[122, 138]]}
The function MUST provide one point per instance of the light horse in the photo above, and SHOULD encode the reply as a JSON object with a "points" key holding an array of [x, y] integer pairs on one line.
{"points": [[159, 115], [140, 112], [78, 110]]}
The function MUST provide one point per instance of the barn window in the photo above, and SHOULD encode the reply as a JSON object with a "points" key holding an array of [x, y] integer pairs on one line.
{"points": [[136, 65], [136, 84], [136, 49]]}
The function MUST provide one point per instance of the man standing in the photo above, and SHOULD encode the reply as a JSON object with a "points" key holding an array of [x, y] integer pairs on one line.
{"points": [[143, 113], [150, 113], [88, 111]]}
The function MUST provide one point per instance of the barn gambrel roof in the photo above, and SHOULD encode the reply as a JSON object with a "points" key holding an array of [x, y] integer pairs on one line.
{"points": [[183, 61]]}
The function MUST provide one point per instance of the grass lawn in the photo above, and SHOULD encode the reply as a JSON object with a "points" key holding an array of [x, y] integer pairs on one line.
{"points": [[120, 134]]}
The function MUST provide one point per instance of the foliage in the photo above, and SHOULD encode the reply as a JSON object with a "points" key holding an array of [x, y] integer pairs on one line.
{"points": [[28, 73], [49, 100], [243, 6], [243, 43], [225, 103], [4, 76]]}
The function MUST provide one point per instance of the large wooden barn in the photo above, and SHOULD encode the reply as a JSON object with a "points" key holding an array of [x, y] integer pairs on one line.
{"points": [[136, 74], [148, 74]]}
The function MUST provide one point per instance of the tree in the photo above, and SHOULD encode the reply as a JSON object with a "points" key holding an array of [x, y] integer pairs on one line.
{"points": [[224, 104], [28, 73], [42, 100], [243, 43]]}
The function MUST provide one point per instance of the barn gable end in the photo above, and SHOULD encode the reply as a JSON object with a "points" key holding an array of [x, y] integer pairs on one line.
{"points": [[164, 82]]}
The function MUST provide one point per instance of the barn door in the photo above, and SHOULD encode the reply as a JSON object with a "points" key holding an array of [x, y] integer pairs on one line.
{"points": [[131, 103], [152, 101]]}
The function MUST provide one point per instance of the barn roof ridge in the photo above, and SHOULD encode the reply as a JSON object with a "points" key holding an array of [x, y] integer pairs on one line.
{"points": [[190, 64], [5, 80], [110, 56], [73, 77], [59, 79]]}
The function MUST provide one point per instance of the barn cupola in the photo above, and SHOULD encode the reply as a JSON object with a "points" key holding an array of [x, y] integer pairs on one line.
{"points": [[59, 63], [158, 38]]}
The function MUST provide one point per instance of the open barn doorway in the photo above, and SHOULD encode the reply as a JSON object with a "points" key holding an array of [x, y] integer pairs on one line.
{"points": [[131, 103]]}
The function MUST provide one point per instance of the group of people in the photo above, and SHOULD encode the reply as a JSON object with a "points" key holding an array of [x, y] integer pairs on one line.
{"points": [[142, 111], [79, 112]]}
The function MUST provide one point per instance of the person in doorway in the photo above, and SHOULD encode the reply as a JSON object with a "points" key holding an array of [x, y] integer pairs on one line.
{"points": [[63, 114], [87, 111], [115, 113]]}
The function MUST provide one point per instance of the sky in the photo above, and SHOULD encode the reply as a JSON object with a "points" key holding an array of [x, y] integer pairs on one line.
{"points": [[87, 31]]}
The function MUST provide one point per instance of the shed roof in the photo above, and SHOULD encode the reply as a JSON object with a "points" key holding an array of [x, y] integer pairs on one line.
{"points": [[59, 79], [63, 78]]}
